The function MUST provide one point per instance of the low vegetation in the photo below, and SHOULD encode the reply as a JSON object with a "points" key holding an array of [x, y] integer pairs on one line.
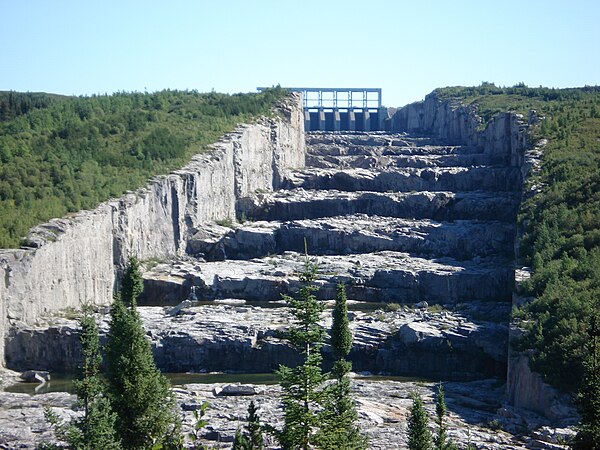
{"points": [[59, 154]]}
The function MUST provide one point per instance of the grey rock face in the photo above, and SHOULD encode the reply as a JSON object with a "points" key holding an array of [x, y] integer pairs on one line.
{"points": [[504, 139], [245, 337], [383, 409], [405, 180], [358, 233], [376, 277], [74, 260], [449, 245], [299, 204]]}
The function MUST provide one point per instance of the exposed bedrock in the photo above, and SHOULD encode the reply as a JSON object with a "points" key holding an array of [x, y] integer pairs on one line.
{"points": [[374, 277], [503, 139], [396, 218], [69, 261], [383, 408], [461, 179], [312, 204], [214, 338], [358, 233]]}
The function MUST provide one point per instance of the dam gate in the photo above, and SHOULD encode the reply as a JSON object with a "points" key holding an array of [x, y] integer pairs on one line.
{"points": [[342, 109]]}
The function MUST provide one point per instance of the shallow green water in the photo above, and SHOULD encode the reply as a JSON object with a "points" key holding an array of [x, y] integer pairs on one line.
{"points": [[64, 382]]}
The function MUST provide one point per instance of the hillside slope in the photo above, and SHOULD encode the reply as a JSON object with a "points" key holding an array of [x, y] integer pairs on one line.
{"points": [[62, 154], [560, 221]]}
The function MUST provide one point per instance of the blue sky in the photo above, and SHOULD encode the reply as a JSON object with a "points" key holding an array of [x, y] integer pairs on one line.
{"points": [[405, 48]]}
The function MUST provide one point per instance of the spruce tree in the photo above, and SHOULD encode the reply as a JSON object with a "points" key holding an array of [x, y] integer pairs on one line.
{"points": [[588, 398], [303, 393], [132, 284], [95, 429], [252, 439], [98, 422], [339, 416], [341, 336], [140, 394], [441, 438], [419, 436]]}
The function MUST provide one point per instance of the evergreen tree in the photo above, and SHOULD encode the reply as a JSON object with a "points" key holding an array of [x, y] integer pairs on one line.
{"points": [[341, 337], [140, 394], [96, 428], [419, 436], [98, 422], [253, 439], [588, 399], [339, 416], [132, 284], [441, 439], [303, 393]]}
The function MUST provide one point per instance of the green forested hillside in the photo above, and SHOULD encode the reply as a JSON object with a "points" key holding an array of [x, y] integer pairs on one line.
{"points": [[61, 154], [561, 224]]}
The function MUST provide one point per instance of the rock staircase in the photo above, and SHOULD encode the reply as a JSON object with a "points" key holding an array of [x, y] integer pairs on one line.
{"points": [[420, 232], [398, 219]]}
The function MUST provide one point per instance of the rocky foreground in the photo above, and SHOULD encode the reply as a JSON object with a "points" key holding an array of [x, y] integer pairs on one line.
{"points": [[475, 414]]}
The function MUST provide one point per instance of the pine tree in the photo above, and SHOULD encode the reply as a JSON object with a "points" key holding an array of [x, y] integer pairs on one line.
{"points": [[303, 393], [140, 394], [339, 416], [419, 436], [588, 398], [341, 337], [254, 428], [132, 284], [253, 438], [441, 439], [96, 428]]}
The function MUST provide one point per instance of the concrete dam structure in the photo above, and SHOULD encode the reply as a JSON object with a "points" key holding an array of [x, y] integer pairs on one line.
{"points": [[418, 222], [342, 109]]}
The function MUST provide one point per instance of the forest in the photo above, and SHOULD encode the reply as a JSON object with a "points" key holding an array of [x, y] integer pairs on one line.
{"points": [[59, 154]]}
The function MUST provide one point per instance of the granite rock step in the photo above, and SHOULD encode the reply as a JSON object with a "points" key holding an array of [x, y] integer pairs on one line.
{"points": [[386, 160], [224, 338], [359, 233], [456, 179], [373, 277], [296, 204], [371, 140]]}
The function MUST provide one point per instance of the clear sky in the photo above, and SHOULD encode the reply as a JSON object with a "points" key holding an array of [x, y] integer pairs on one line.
{"points": [[407, 48]]}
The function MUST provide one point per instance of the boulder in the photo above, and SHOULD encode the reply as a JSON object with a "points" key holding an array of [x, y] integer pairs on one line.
{"points": [[35, 376], [414, 332], [237, 390]]}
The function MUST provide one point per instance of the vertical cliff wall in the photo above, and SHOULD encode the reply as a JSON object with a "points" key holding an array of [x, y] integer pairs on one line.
{"points": [[504, 137], [77, 259]]}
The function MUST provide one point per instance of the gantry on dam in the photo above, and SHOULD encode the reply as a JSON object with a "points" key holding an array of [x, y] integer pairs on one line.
{"points": [[342, 109]]}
